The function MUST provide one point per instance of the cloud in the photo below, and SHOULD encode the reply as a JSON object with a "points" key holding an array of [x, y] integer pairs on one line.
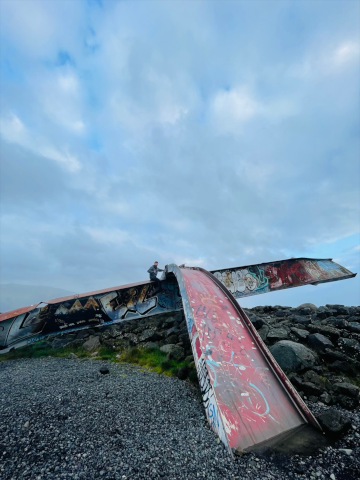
{"points": [[13, 130], [215, 135]]}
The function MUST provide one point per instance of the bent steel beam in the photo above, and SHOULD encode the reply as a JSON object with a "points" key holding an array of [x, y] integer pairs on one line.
{"points": [[117, 304], [102, 307], [273, 276], [247, 397]]}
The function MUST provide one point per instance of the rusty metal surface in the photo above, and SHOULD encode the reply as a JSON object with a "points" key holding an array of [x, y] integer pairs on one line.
{"points": [[269, 277], [115, 304], [245, 393], [103, 307]]}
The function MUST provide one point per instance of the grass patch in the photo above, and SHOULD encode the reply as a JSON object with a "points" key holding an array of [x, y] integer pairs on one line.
{"points": [[151, 358], [41, 349]]}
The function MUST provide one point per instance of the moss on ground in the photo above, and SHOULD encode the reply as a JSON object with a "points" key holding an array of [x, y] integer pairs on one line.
{"points": [[152, 358]]}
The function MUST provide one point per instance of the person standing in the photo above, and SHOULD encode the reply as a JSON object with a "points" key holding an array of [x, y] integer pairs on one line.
{"points": [[153, 270]]}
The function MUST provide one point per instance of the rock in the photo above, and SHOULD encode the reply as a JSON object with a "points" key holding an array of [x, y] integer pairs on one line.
{"points": [[354, 327], [300, 333], [182, 373], [263, 332], [149, 335], [350, 346], [342, 366], [310, 388], [301, 320], [151, 345], [334, 423], [346, 388], [104, 370], [332, 333], [279, 333], [92, 343], [311, 306], [319, 342], [337, 322], [292, 356], [172, 339], [174, 351], [258, 322]]}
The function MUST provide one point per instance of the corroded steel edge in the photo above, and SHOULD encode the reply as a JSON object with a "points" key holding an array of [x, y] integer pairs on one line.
{"points": [[220, 431], [347, 274], [280, 275], [214, 407], [276, 369]]}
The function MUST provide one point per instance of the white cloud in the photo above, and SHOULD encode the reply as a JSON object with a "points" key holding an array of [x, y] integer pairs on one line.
{"points": [[230, 109], [13, 130], [329, 61], [346, 52], [107, 236]]}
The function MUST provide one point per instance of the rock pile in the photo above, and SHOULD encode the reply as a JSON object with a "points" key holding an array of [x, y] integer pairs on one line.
{"points": [[318, 348]]}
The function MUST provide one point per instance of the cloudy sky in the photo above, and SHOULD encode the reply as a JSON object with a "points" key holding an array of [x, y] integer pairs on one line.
{"points": [[211, 133]]}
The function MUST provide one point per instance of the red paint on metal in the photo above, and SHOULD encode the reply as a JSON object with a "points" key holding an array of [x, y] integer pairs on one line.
{"points": [[18, 311], [253, 402]]}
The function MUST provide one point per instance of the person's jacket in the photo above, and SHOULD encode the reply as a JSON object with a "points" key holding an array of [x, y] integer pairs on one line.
{"points": [[153, 272]]}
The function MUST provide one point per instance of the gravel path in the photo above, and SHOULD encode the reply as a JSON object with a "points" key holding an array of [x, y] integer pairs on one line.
{"points": [[63, 419]]}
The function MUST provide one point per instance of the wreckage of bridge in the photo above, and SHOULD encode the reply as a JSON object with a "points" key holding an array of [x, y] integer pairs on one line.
{"points": [[249, 401]]}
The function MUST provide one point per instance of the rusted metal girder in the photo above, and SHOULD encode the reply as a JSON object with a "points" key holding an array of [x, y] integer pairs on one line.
{"points": [[273, 276], [247, 397], [118, 304]]}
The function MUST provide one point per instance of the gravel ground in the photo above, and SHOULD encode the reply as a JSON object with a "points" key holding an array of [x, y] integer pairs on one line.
{"points": [[63, 419]]}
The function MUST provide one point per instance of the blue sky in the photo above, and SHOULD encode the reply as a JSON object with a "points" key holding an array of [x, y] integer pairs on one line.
{"points": [[216, 134]]}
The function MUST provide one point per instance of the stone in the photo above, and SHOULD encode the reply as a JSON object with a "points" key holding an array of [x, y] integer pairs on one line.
{"points": [[292, 356], [337, 322], [104, 370], [334, 423], [300, 333], [263, 332], [354, 327], [174, 352], [301, 320], [346, 388], [149, 335], [182, 373], [257, 322], [350, 346], [332, 333], [311, 306], [92, 343], [278, 333], [319, 342]]}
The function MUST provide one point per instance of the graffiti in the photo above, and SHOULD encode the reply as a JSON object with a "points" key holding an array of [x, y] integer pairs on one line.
{"points": [[241, 395], [121, 303], [255, 279], [78, 311]]}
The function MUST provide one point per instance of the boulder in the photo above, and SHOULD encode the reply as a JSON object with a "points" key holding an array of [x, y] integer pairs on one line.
{"points": [[300, 333], [174, 352], [334, 423], [319, 342], [277, 333], [92, 343], [149, 335], [292, 356]]}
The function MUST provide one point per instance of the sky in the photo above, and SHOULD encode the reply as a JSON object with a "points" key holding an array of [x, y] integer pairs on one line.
{"points": [[211, 133]]}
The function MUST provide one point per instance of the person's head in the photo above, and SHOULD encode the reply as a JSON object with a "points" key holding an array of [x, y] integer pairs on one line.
{"points": [[156, 264]]}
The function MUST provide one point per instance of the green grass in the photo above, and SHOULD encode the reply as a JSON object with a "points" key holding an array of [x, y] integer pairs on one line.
{"points": [[152, 358], [41, 349]]}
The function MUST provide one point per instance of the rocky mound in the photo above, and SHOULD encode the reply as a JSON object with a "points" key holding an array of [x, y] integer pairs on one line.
{"points": [[318, 348]]}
